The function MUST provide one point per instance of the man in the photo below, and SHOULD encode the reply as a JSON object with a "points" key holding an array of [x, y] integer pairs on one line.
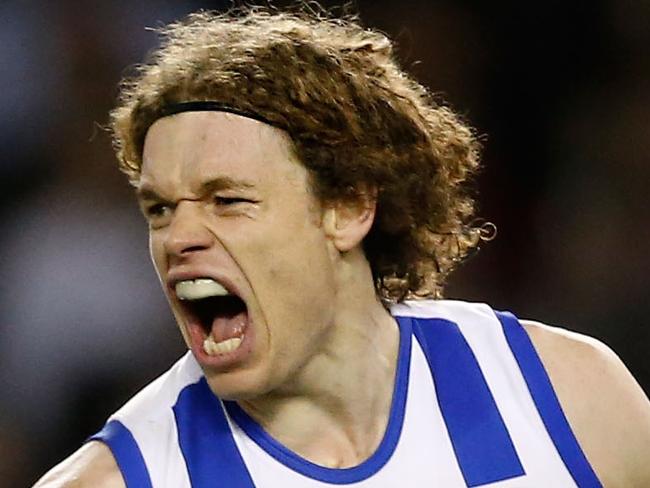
{"points": [[305, 203]]}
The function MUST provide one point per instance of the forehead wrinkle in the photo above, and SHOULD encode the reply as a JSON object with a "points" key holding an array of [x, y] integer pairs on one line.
{"points": [[147, 191]]}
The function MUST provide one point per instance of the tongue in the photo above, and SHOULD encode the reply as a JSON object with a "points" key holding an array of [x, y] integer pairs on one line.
{"points": [[227, 327]]}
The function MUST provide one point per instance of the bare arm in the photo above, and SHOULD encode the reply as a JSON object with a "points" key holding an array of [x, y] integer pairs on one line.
{"points": [[92, 466], [606, 408]]}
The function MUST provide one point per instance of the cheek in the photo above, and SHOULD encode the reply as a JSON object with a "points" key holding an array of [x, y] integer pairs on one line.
{"points": [[285, 259], [157, 253], [295, 282], [292, 257]]}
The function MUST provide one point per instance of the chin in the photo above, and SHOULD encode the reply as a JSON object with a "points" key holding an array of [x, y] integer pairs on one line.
{"points": [[237, 385]]}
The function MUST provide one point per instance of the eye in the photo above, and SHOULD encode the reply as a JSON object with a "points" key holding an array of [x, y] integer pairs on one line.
{"points": [[156, 210], [219, 200], [158, 215]]}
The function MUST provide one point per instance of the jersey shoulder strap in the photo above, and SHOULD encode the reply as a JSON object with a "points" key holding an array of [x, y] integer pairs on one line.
{"points": [[466, 342], [165, 436], [546, 401]]}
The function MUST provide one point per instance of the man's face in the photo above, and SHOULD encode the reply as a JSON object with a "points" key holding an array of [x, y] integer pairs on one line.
{"points": [[229, 205]]}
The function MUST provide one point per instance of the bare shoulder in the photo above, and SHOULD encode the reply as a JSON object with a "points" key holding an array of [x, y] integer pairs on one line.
{"points": [[91, 466], [606, 408]]}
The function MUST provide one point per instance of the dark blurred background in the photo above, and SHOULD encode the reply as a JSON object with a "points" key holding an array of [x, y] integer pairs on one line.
{"points": [[560, 89]]}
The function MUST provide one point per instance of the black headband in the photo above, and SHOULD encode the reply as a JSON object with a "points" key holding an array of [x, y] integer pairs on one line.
{"points": [[212, 106]]}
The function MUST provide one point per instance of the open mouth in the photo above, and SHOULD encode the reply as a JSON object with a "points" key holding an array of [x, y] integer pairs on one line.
{"points": [[218, 316]]}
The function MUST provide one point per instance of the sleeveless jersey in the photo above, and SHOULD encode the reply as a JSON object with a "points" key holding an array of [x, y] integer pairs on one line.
{"points": [[472, 407]]}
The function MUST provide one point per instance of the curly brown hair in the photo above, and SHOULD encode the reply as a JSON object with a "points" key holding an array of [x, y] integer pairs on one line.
{"points": [[355, 118]]}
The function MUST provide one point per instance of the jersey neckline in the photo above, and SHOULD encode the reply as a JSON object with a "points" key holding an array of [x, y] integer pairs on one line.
{"points": [[368, 467]]}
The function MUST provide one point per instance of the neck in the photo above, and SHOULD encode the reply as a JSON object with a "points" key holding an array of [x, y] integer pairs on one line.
{"points": [[335, 411]]}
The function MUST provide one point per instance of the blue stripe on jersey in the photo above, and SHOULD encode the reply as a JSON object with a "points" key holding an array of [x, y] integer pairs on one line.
{"points": [[480, 439], [547, 403], [126, 453], [371, 465], [206, 441]]}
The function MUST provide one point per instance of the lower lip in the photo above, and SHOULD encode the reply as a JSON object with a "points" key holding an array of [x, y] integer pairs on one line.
{"points": [[224, 361]]}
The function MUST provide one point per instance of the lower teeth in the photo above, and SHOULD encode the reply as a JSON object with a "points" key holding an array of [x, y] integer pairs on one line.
{"points": [[213, 348]]}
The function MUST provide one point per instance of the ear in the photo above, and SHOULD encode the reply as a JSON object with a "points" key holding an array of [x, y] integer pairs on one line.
{"points": [[347, 222]]}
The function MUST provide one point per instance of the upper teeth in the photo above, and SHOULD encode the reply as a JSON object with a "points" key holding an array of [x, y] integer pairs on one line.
{"points": [[200, 288]]}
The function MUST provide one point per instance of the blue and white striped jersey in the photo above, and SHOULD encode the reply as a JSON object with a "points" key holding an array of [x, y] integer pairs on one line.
{"points": [[472, 407]]}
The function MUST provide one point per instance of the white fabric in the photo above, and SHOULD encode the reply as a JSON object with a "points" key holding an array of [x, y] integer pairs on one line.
{"points": [[150, 418]]}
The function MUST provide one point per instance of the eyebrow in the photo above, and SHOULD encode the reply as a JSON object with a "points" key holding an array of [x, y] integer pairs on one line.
{"points": [[146, 192], [223, 183]]}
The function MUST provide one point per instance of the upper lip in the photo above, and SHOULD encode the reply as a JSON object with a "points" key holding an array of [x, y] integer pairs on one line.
{"points": [[176, 276]]}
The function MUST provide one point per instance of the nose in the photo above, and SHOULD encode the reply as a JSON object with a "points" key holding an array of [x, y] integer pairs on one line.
{"points": [[187, 233]]}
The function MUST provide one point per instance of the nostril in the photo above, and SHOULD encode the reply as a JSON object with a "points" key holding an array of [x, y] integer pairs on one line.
{"points": [[191, 249]]}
